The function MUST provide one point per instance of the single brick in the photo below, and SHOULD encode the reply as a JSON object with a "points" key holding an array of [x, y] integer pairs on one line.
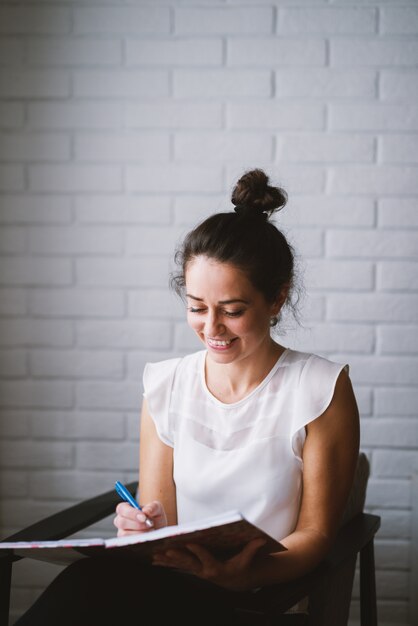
{"points": [[11, 178], [150, 272], [27, 209], [36, 333], [394, 463], [121, 84], [34, 147], [76, 302], [11, 114], [174, 115], [74, 51], [224, 83], [67, 178], [123, 146], [16, 83], [399, 401], [174, 178], [12, 302], [32, 394], [390, 433], [12, 240], [174, 52], [124, 334], [11, 51], [330, 338], [89, 240], [387, 370], [388, 493], [398, 339], [322, 148], [13, 363], [399, 86], [72, 485], [399, 20], [154, 304], [26, 271], [275, 115], [311, 210], [14, 484], [372, 117], [107, 456], [152, 241], [325, 274], [38, 20], [371, 179], [398, 148], [372, 243], [377, 52], [397, 275], [398, 212], [213, 146], [35, 454], [75, 115], [227, 20], [14, 424], [76, 425], [122, 20], [109, 396], [275, 51], [325, 83], [119, 209], [326, 20], [373, 307], [81, 364]]}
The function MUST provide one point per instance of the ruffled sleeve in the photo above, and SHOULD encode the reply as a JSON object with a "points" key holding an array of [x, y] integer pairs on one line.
{"points": [[158, 379], [317, 381]]}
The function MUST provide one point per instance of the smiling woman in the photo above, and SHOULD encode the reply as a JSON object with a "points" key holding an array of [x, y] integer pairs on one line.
{"points": [[245, 423]]}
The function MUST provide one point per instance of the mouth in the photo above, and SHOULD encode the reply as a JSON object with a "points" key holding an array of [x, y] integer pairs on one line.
{"points": [[220, 344]]}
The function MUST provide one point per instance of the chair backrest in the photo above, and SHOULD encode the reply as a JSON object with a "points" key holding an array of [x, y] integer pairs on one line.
{"points": [[330, 604], [357, 497]]}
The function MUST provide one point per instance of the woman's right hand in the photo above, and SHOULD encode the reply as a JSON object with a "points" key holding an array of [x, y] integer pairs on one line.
{"points": [[130, 521]]}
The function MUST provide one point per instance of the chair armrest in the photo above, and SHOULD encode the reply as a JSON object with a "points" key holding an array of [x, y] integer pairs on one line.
{"points": [[72, 519], [351, 538]]}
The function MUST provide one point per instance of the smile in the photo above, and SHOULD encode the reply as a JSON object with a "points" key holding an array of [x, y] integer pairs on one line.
{"points": [[214, 343]]}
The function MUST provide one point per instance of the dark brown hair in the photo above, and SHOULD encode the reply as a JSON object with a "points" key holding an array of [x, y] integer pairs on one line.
{"points": [[244, 238]]}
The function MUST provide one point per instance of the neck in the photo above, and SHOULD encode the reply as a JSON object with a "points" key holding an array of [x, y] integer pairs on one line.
{"points": [[231, 382]]}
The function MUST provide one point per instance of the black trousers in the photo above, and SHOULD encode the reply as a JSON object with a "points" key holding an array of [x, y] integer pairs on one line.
{"points": [[115, 592]]}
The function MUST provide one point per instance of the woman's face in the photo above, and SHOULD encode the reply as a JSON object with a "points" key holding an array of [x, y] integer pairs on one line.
{"points": [[230, 317]]}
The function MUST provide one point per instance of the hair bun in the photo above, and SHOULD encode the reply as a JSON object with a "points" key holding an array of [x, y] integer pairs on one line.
{"points": [[253, 194]]}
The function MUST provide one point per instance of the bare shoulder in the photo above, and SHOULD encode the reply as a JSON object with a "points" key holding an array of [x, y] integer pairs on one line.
{"points": [[329, 459]]}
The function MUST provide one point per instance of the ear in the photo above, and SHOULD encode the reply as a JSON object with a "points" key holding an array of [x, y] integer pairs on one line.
{"points": [[280, 300]]}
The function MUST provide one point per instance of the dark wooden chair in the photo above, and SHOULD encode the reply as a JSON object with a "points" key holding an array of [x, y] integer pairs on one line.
{"points": [[328, 587]]}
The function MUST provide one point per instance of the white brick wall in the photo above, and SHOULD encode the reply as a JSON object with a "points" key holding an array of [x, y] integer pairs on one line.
{"points": [[124, 123]]}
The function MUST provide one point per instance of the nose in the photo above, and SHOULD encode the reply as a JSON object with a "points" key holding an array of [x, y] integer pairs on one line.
{"points": [[213, 324]]}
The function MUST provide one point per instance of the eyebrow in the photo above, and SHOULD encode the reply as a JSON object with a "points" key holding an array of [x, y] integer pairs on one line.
{"points": [[231, 301]]}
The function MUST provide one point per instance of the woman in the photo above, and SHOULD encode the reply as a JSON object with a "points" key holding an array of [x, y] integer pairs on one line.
{"points": [[245, 423]]}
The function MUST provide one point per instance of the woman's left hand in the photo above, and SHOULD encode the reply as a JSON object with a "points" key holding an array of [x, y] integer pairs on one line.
{"points": [[233, 574]]}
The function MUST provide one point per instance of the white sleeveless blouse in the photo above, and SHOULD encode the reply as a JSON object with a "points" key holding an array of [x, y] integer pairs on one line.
{"points": [[245, 455]]}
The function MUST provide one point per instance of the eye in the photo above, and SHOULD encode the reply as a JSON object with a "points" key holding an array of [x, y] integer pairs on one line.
{"points": [[192, 309], [234, 313]]}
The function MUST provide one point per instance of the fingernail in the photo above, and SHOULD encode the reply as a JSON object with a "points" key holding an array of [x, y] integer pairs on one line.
{"points": [[141, 517]]}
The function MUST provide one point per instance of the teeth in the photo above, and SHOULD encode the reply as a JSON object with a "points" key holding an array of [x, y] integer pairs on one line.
{"points": [[219, 343]]}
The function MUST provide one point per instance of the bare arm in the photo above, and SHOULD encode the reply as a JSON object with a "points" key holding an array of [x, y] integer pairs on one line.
{"points": [[157, 491], [156, 468]]}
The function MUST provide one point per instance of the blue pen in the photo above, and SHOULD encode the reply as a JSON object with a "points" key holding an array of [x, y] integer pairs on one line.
{"points": [[125, 495]]}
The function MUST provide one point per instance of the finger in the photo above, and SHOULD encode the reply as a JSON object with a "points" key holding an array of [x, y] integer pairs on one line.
{"points": [[201, 553], [126, 510], [249, 551]]}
